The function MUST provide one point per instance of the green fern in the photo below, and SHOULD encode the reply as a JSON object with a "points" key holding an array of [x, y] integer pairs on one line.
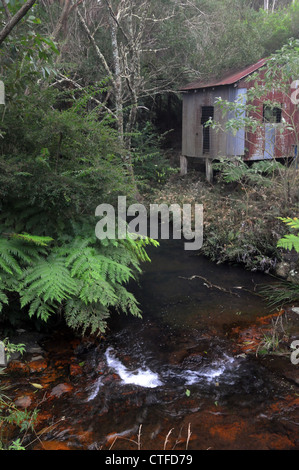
{"points": [[87, 263], [10, 255], [36, 240], [17, 252], [42, 309], [92, 317], [48, 279], [3, 296], [84, 278], [236, 170], [293, 223], [290, 241]]}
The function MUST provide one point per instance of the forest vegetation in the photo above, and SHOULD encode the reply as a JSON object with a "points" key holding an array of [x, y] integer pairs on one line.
{"points": [[92, 111]]}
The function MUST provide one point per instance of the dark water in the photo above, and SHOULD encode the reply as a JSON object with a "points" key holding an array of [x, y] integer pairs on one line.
{"points": [[175, 376]]}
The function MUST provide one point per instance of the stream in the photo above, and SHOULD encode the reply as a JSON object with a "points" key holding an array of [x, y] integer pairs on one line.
{"points": [[182, 377]]}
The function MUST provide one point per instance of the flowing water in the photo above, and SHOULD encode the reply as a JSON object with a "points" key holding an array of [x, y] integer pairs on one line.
{"points": [[175, 378]]}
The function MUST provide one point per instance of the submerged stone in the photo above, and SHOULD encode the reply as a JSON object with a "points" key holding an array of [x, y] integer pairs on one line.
{"points": [[61, 389]]}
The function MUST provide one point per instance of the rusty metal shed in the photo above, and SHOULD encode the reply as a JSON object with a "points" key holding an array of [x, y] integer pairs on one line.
{"points": [[207, 144]]}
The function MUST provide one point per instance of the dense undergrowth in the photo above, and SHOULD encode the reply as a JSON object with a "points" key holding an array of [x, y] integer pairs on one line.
{"points": [[241, 218]]}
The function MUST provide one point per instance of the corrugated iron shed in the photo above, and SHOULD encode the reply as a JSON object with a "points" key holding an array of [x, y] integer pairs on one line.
{"points": [[269, 140], [229, 79]]}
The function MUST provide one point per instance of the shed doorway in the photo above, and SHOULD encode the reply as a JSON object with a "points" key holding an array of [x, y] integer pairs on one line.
{"points": [[206, 114]]}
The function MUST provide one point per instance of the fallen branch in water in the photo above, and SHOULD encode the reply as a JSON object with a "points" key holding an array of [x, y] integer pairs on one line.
{"points": [[209, 285]]}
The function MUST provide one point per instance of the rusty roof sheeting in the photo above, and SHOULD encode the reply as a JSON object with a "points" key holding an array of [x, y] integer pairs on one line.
{"points": [[227, 80]]}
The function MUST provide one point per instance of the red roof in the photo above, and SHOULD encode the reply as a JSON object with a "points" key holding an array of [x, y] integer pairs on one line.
{"points": [[227, 80]]}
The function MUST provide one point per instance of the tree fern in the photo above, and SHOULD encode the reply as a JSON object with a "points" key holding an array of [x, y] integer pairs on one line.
{"points": [[10, 256], [126, 302], [20, 249]]}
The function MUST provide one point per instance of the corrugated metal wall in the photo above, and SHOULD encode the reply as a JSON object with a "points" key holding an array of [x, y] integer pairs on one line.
{"points": [[236, 142], [192, 144], [267, 142]]}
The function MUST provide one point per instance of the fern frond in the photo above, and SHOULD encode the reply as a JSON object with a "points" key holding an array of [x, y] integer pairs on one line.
{"points": [[14, 251], [288, 242], [36, 240], [84, 277], [89, 264], [97, 291], [8, 255], [49, 279], [3, 296], [127, 302], [293, 223], [41, 309], [81, 316]]}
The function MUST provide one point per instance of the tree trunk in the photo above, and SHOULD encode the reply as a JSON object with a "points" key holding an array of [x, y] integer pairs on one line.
{"points": [[16, 19], [117, 79], [61, 21]]}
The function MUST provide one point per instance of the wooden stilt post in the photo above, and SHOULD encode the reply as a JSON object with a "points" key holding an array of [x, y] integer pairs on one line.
{"points": [[184, 165], [209, 170]]}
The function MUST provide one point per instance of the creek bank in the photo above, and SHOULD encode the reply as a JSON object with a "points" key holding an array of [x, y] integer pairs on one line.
{"points": [[241, 226], [269, 339]]}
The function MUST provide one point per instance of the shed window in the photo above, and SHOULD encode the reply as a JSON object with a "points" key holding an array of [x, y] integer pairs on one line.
{"points": [[272, 115], [207, 114]]}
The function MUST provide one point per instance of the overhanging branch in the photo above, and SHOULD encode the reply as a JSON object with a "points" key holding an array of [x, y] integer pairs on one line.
{"points": [[16, 19]]}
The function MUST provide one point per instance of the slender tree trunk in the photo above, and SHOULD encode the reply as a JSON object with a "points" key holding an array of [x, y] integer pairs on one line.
{"points": [[6, 9], [117, 79], [16, 19], [114, 76], [132, 80], [64, 14]]}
